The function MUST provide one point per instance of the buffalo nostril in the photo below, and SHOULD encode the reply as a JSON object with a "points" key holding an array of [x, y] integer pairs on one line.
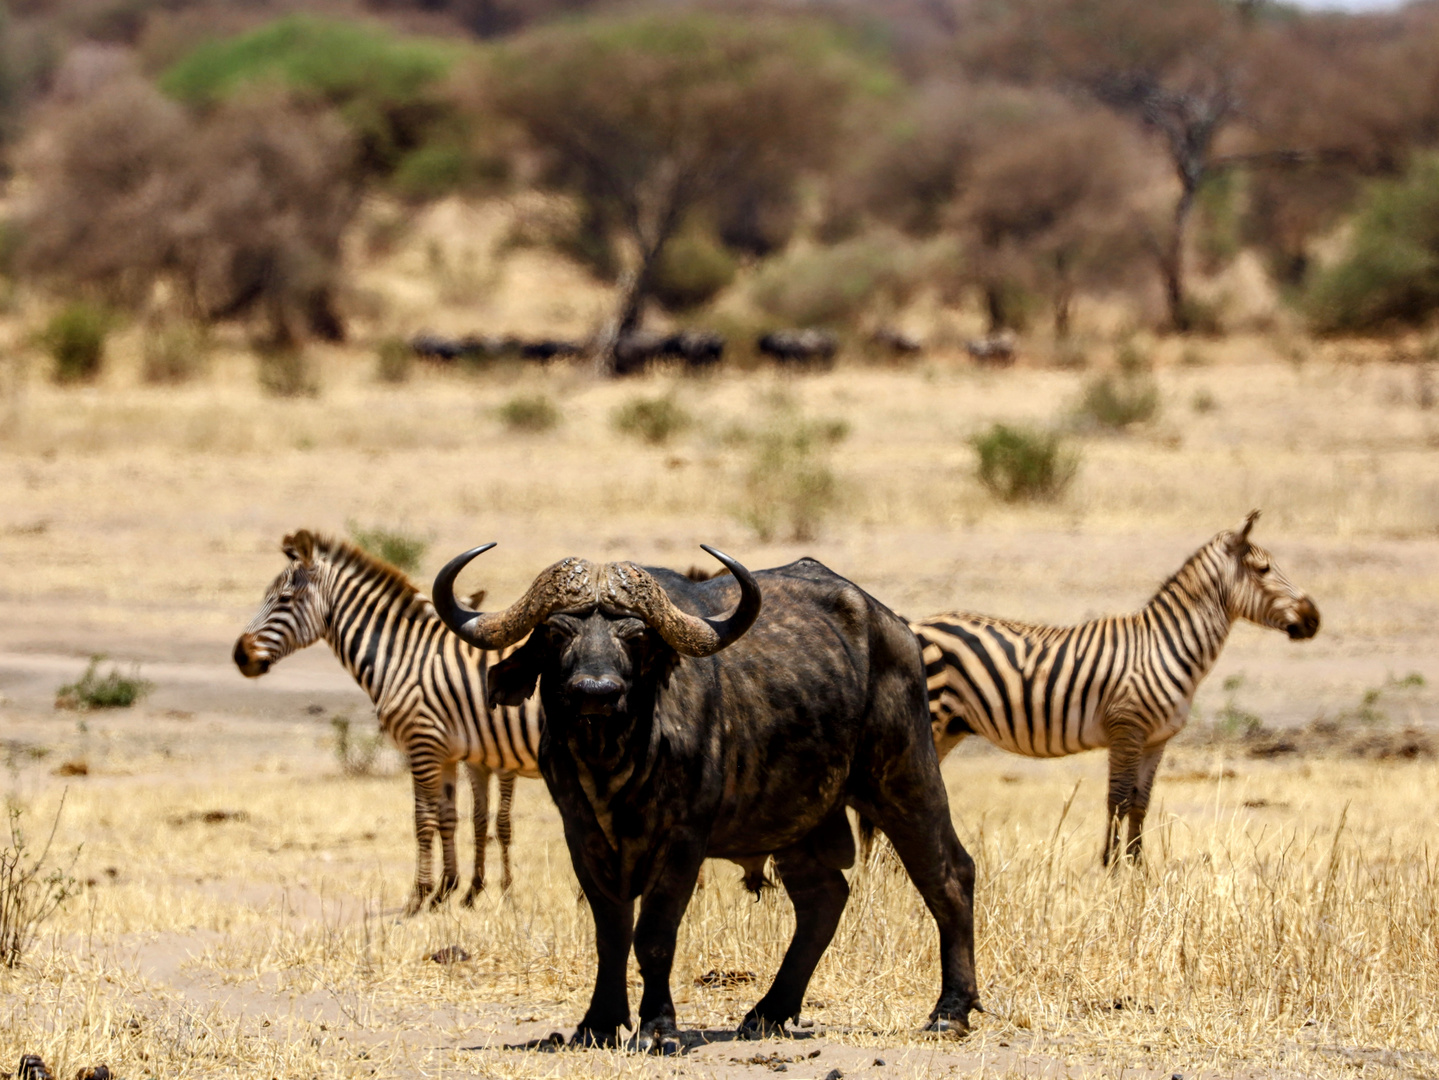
{"points": [[602, 687]]}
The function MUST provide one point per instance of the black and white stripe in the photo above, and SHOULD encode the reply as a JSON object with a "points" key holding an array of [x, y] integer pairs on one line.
{"points": [[1124, 682], [428, 687]]}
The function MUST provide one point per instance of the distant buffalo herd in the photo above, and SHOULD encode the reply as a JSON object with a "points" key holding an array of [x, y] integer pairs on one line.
{"points": [[696, 350]]}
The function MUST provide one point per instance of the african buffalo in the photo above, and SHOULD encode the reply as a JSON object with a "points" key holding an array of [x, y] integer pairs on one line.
{"points": [[800, 348], [673, 734]]}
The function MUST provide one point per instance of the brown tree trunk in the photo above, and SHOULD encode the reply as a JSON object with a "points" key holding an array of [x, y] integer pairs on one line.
{"points": [[1171, 263]]}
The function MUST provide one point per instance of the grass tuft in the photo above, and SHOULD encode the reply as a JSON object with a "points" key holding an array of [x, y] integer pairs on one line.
{"points": [[790, 486], [655, 420], [175, 353], [1023, 465], [110, 691], [394, 361], [531, 413], [286, 373], [30, 892], [75, 339], [1116, 404]]}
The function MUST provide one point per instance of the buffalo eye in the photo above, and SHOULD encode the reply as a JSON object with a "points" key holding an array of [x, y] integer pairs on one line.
{"points": [[561, 628], [631, 629]]}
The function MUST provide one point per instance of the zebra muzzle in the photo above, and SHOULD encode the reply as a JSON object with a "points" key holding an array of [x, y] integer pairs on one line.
{"points": [[250, 666]]}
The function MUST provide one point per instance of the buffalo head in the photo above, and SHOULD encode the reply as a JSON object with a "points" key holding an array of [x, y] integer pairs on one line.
{"points": [[598, 632]]}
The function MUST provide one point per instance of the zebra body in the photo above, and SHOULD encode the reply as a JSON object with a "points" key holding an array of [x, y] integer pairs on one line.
{"points": [[428, 688], [1124, 683]]}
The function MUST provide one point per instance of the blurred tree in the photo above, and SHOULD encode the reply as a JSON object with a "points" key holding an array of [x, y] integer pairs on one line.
{"points": [[242, 210], [649, 118]]}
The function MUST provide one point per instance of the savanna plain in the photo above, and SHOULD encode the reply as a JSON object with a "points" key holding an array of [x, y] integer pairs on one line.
{"points": [[238, 883]]}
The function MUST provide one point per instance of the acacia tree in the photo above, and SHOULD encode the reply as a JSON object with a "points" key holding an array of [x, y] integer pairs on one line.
{"points": [[653, 118]]}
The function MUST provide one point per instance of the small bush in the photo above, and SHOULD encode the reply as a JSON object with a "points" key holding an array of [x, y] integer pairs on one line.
{"points": [[75, 339], [530, 413], [29, 892], [1118, 403], [655, 420], [1203, 402], [399, 549], [356, 755], [692, 269], [112, 691], [1019, 465], [394, 361], [832, 285], [790, 483], [286, 373], [175, 353]]}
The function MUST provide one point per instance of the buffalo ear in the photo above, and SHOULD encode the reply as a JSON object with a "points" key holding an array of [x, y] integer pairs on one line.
{"points": [[300, 547], [513, 679], [1241, 534]]}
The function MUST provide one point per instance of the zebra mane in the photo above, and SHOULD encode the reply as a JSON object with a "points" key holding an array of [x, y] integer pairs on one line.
{"points": [[344, 555], [1189, 571]]}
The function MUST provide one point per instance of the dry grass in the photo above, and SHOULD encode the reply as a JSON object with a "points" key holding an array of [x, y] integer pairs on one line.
{"points": [[1294, 937], [1264, 940]]}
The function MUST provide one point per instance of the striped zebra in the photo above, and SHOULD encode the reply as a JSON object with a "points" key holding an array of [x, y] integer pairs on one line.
{"points": [[1124, 682], [428, 687]]}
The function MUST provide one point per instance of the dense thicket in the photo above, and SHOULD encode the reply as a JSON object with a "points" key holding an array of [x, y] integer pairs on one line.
{"points": [[1016, 152]]}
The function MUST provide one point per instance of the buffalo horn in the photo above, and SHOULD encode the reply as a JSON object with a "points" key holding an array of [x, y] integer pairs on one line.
{"points": [[691, 635]]}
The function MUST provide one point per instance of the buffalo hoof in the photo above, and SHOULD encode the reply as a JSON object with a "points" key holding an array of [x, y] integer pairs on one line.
{"points": [[947, 1025], [755, 1026], [590, 1038], [659, 1038]]}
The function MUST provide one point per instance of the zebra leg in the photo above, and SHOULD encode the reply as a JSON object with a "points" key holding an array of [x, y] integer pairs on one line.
{"points": [[1126, 750], [503, 829], [480, 788], [449, 817], [427, 801], [1148, 766]]}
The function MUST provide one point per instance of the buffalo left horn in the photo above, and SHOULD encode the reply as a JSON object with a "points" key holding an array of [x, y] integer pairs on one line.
{"points": [[689, 635]]}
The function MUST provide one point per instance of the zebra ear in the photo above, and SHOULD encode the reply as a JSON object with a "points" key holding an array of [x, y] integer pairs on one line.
{"points": [[1241, 534], [476, 600], [299, 547]]}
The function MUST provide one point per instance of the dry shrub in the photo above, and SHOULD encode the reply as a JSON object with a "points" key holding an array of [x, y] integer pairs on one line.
{"points": [[835, 284], [655, 420], [29, 891], [242, 208], [1118, 403], [285, 371], [531, 413], [790, 487], [394, 361], [398, 548]]}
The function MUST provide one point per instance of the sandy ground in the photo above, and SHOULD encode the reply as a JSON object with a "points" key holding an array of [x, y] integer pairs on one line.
{"points": [[144, 524]]}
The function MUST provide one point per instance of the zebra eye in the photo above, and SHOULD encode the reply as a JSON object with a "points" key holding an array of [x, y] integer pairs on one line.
{"points": [[286, 596]]}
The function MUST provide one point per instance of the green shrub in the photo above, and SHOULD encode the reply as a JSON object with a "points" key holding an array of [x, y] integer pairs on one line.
{"points": [[654, 420], [1018, 464], [693, 268], [399, 549], [94, 691], [394, 361], [286, 372], [790, 484], [530, 413], [174, 353], [75, 339], [1116, 404], [1389, 274]]}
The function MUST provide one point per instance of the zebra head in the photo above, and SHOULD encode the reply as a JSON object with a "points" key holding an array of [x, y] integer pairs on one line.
{"points": [[293, 614], [1258, 589]]}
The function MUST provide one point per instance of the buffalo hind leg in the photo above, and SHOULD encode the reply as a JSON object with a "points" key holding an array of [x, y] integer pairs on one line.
{"points": [[480, 789], [614, 931], [943, 873], [1139, 806], [818, 894]]}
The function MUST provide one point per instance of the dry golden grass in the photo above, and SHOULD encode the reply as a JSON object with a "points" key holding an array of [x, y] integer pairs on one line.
{"points": [[1264, 939], [1287, 924]]}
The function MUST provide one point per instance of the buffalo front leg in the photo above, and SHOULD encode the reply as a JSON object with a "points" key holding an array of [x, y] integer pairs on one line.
{"points": [[448, 815], [614, 931], [480, 789], [1139, 805], [923, 837], [818, 894], [660, 913], [1126, 750]]}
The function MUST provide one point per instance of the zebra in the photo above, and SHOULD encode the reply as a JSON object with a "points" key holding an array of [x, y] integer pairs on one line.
{"points": [[428, 687], [1124, 682]]}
